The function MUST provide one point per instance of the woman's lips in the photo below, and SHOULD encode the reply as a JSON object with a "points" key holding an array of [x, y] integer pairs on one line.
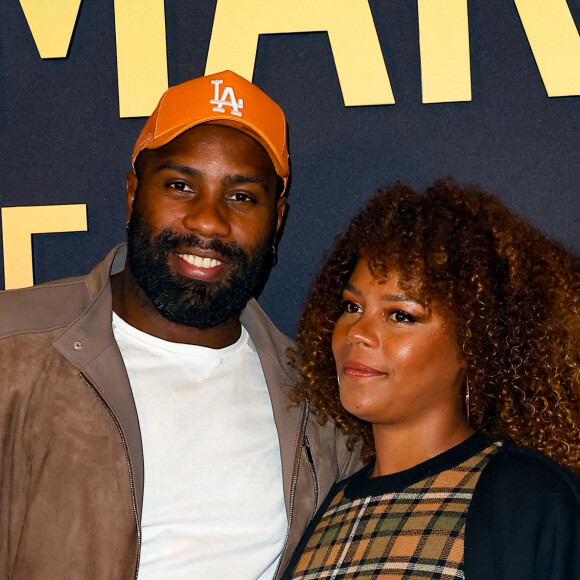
{"points": [[354, 369]]}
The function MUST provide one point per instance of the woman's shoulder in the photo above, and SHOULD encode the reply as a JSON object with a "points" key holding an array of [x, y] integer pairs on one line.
{"points": [[524, 519], [525, 473]]}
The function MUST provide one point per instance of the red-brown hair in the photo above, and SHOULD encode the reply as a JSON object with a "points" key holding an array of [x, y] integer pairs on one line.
{"points": [[512, 295]]}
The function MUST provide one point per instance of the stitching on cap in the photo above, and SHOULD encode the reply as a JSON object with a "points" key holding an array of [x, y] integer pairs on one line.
{"points": [[284, 123], [159, 111]]}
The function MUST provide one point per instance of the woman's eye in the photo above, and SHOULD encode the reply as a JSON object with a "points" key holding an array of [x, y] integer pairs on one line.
{"points": [[350, 307], [402, 316]]}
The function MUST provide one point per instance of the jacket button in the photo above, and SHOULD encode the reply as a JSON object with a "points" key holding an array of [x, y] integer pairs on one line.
{"points": [[77, 345]]}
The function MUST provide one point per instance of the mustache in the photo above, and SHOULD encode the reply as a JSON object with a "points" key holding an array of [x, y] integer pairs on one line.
{"points": [[168, 240]]}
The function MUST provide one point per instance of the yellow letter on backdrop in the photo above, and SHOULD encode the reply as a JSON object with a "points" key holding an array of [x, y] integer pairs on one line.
{"points": [[444, 45], [554, 40], [52, 23], [19, 223], [353, 38], [141, 55]]}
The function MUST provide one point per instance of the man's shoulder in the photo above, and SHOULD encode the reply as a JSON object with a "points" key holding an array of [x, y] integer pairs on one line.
{"points": [[50, 305], [43, 307], [258, 322], [268, 339]]}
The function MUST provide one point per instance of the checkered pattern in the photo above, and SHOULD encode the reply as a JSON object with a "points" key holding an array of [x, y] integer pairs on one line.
{"points": [[417, 532]]}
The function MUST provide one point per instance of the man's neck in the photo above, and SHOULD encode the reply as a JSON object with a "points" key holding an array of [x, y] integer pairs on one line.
{"points": [[133, 306]]}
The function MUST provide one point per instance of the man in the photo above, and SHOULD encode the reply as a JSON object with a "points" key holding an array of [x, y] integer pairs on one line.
{"points": [[145, 421]]}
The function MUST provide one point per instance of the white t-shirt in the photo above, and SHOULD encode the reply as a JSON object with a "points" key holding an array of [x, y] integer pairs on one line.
{"points": [[213, 503]]}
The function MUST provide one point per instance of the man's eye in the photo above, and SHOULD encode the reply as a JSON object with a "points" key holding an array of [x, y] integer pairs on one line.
{"points": [[350, 307], [239, 196], [180, 186], [402, 316]]}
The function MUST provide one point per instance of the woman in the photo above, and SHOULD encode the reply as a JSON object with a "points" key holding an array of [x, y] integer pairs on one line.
{"points": [[443, 336]]}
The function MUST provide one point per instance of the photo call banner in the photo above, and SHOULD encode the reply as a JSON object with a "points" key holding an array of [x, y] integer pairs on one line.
{"points": [[485, 91]]}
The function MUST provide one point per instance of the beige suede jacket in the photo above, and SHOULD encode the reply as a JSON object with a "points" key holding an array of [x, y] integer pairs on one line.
{"points": [[71, 461]]}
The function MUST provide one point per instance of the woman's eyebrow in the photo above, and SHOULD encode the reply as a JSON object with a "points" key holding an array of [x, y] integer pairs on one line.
{"points": [[352, 289], [399, 297]]}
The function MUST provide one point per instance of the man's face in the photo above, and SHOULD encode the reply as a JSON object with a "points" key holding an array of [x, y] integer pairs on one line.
{"points": [[204, 214]]}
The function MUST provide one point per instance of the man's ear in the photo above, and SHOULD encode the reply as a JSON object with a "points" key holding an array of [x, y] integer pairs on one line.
{"points": [[131, 182], [280, 212]]}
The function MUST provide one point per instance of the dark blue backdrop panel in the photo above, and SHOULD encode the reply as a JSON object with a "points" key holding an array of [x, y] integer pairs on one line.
{"points": [[62, 140]]}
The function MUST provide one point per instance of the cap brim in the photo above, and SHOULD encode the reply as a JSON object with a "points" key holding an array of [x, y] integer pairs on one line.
{"points": [[240, 125]]}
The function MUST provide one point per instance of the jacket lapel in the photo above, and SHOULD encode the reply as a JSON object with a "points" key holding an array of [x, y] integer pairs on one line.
{"points": [[271, 345], [89, 344]]}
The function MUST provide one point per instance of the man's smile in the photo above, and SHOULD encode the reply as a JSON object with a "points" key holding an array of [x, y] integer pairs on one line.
{"points": [[200, 261]]}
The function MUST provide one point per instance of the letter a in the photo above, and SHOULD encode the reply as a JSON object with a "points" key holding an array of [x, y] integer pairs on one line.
{"points": [[353, 38]]}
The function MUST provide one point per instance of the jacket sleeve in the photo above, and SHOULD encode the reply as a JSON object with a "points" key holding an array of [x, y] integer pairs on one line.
{"points": [[524, 520], [349, 462]]}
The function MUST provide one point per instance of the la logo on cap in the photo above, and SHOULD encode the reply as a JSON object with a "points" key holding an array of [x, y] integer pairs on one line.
{"points": [[228, 98]]}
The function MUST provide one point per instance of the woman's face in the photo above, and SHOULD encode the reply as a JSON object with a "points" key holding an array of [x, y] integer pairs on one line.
{"points": [[397, 359]]}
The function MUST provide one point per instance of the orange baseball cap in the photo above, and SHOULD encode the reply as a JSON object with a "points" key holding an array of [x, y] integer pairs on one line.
{"points": [[223, 99]]}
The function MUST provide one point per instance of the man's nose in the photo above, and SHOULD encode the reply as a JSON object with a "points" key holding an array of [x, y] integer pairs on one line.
{"points": [[208, 218]]}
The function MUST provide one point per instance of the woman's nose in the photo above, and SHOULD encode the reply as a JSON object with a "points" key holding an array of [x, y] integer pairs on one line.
{"points": [[362, 331]]}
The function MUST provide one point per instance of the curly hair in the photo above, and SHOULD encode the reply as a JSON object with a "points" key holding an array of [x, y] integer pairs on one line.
{"points": [[511, 294]]}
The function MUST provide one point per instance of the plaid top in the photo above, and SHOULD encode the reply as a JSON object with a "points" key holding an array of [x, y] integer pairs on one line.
{"points": [[406, 525]]}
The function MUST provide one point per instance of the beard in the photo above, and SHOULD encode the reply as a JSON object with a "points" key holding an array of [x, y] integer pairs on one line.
{"points": [[193, 303]]}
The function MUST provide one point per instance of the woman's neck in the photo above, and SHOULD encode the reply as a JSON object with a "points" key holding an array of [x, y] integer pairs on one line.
{"points": [[400, 448]]}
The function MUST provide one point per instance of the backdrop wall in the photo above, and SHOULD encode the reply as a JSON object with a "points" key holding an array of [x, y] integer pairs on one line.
{"points": [[484, 90]]}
